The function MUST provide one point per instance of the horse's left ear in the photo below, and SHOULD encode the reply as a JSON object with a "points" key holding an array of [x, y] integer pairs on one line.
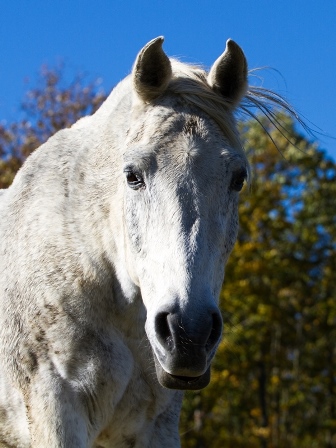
{"points": [[228, 75], [152, 70]]}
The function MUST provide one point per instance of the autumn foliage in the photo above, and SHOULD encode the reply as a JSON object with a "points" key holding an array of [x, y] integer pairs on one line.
{"points": [[274, 376], [46, 109]]}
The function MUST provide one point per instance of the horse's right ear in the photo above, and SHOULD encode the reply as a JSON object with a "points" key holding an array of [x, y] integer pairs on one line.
{"points": [[152, 70]]}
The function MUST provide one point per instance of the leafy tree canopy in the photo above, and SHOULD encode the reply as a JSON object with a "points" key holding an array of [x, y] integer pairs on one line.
{"points": [[47, 108], [273, 381]]}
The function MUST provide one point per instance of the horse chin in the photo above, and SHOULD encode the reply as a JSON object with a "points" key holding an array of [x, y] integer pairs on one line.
{"points": [[181, 382]]}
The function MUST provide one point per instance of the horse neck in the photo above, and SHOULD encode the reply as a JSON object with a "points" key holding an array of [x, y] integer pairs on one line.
{"points": [[97, 167]]}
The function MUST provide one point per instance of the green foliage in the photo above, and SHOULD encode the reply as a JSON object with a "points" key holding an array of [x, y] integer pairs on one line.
{"points": [[274, 377]]}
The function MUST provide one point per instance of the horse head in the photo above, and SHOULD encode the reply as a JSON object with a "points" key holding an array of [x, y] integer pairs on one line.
{"points": [[183, 168]]}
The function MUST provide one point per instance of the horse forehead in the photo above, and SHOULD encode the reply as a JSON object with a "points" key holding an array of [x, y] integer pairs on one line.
{"points": [[173, 134], [177, 129], [194, 140], [168, 118]]}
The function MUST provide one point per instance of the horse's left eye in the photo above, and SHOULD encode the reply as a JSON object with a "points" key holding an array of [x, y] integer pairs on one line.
{"points": [[238, 179], [134, 180]]}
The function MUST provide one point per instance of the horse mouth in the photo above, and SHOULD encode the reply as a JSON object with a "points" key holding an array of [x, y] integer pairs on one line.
{"points": [[181, 382]]}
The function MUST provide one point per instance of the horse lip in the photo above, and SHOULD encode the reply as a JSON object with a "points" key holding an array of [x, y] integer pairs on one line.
{"points": [[189, 379], [181, 382]]}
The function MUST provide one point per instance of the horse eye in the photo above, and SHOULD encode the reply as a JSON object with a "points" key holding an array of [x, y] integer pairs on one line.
{"points": [[238, 179], [134, 180]]}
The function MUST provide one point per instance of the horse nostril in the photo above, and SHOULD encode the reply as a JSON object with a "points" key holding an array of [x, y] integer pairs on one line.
{"points": [[216, 331], [171, 333], [162, 329]]}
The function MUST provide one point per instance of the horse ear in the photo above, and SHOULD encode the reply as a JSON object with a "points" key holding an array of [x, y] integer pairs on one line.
{"points": [[152, 70], [228, 75]]}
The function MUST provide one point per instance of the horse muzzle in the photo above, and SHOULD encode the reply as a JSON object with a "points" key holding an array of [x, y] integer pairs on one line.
{"points": [[185, 347]]}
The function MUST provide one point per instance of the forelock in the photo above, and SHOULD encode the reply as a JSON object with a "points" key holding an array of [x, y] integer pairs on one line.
{"points": [[190, 82]]}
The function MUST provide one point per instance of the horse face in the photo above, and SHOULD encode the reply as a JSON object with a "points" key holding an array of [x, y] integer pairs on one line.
{"points": [[181, 180]]}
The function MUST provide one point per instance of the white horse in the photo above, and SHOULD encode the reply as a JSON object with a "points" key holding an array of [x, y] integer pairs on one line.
{"points": [[114, 237]]}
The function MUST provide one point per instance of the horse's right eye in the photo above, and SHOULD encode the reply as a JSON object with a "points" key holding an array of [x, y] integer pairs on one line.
{"points": [[134, 180]]}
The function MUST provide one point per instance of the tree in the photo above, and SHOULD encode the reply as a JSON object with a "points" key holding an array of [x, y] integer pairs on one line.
{"points": [[49, 107], [273, 382]]}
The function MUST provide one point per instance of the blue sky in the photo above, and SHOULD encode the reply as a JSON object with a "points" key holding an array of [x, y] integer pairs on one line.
{"points": [[102, 38]]}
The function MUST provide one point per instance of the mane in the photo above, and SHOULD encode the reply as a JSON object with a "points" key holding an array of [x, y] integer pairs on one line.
{"points": [[190, 82]]}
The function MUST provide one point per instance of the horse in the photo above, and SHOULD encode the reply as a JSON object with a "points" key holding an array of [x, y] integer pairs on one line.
{"points": [[114, 238]]}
